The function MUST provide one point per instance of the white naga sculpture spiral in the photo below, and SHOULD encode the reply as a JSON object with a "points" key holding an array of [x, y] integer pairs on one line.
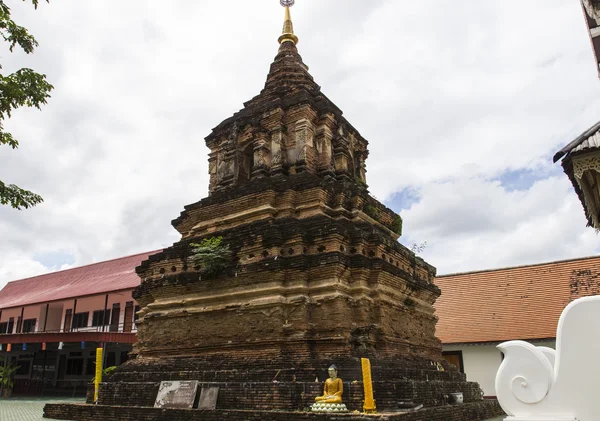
{"points": [[537, 383], [525, 374]]}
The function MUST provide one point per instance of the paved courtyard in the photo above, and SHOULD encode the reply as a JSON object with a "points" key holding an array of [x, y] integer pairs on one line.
{"points": [[27, 409], [31, 409]]}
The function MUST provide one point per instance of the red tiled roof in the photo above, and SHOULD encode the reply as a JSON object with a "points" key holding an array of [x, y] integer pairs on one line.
{"points": [[512, 303], [97, 278]]}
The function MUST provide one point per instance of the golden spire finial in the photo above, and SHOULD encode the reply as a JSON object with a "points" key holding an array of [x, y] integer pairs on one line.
{"points": [[288, 26]]}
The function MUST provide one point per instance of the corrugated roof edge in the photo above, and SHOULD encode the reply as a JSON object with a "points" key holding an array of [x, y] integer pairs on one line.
{"points": [[578, 141], [85, 266], [498, 342], [518, 267]]}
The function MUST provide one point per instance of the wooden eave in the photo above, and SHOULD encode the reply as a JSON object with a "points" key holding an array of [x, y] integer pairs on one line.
{"points": [[591, 178]]}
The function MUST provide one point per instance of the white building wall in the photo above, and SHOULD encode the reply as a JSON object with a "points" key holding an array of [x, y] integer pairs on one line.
{"points": [[481, 363], [89, 305], [68, 361], [96, 302], [58, 309], [13, 313], [32, 312], [121, 298]]}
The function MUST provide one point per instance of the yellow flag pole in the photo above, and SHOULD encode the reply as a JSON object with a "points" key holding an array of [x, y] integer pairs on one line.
{"points": [[369, 403], [98, 377]]}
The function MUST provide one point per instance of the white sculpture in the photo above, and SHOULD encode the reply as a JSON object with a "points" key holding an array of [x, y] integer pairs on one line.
{"points": [[539, 384]]}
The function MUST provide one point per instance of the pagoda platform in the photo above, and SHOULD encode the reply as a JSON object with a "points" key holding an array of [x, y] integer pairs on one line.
{"points": [[476, 411]]}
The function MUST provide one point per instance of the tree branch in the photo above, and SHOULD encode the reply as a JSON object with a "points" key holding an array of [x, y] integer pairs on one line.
{"points": [[17, 197]]}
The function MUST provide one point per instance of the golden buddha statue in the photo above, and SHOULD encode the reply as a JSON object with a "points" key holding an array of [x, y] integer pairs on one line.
{"points": [[334, 388]]}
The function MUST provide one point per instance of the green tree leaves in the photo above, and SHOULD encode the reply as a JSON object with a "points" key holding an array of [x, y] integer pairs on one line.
{"points": [[17, 197], [15, 34], [211, 255], [6, 375], [23, 88]]}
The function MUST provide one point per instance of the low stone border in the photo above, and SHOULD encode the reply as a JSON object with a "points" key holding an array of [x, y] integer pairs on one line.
{"points": [[477, 411]]}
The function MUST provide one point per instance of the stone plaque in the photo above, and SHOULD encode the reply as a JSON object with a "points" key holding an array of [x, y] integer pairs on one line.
{"points": [[208, 398], [180, 395]]}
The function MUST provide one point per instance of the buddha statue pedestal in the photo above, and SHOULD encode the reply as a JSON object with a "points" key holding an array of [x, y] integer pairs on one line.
{"points": [[328, 407], [331, 401]]}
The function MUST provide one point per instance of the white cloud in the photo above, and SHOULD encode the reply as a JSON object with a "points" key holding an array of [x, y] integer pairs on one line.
{"points": [[473, 223], [450, 95], [19, 266]]}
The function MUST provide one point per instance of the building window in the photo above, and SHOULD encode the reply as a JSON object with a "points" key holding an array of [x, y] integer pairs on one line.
{"points": [[74, 367], [68, 319], [3, 328], [247, 163], [455, 358], [90, 367], [29, 325], [11, 325], [135, 313], [23, 369], [101, 318], [111, 359], [114, 318], [80, 320]]}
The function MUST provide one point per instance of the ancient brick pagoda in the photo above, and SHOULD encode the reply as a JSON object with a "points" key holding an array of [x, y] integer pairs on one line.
{"points": [[316, 277]]}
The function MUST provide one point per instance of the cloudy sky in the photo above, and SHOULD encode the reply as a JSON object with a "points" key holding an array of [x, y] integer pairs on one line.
{"points": [[463, 102]]}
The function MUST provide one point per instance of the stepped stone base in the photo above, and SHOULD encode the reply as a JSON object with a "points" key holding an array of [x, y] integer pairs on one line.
{"points": [[136, 383], [478, 411], [286, 396]]}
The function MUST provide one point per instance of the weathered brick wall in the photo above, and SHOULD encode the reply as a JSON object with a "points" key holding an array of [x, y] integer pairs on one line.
{"points": [[270, 328], [297, 396], [469, 412], [325, 277], [228, 366], [402, 307], [89, 393]]}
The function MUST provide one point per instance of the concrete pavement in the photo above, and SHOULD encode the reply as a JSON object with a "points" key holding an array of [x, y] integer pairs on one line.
{"points": [[28, 409]]}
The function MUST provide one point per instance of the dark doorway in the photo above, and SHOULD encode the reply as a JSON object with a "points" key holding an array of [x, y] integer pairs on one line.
{"points": [[11, 325], [68, 318], [114, 318], [455, 358], [246, 163], [62, 366], [128, 322]]}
